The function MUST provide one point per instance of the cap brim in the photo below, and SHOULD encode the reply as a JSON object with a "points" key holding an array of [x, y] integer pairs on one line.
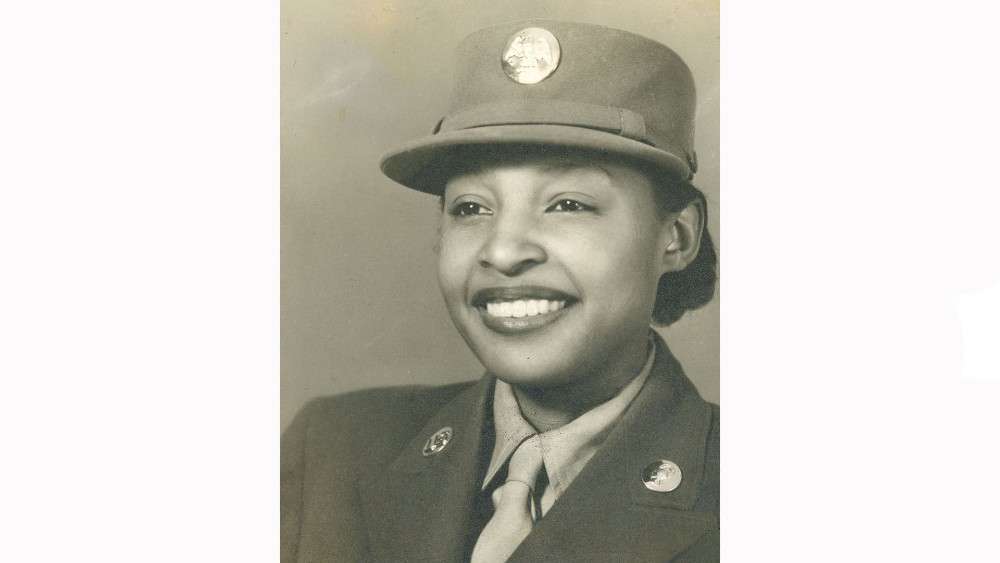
{"points": [[424, 164]]}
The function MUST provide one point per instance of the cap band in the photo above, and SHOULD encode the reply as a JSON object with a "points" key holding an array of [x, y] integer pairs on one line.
{"points": [[619, 121]]}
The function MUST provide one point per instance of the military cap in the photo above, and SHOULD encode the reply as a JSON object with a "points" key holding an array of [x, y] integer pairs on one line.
{"points": [[562, 84]]}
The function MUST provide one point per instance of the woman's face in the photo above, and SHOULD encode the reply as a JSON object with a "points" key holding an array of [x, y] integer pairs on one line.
{"points": [[549, 266]]}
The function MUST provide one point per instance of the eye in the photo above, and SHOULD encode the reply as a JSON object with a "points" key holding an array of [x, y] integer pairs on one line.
{"points": [[569, 205], [469, 208]]}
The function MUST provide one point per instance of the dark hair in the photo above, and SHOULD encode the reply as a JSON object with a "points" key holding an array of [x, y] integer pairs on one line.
{"points": [[678, 292], [694, 286]]}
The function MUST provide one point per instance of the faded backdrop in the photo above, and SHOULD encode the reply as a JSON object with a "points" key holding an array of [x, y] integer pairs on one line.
{"points": [[360, 305]]}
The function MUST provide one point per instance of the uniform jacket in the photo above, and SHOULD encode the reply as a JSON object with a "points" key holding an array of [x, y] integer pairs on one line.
{"points": [[356, 485]]}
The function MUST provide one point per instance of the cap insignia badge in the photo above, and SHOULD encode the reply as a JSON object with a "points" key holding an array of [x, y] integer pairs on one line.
{"points": [[531, 55]]}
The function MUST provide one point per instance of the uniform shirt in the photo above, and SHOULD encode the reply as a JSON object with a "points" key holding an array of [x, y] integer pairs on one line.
{"points": [[565, 450]]}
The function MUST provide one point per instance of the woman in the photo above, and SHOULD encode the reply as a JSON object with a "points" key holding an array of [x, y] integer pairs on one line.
{"points": [[568, 225]]}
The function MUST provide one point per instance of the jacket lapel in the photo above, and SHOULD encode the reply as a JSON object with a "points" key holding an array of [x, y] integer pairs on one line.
{"points": [[420, 508], [607, 513]]}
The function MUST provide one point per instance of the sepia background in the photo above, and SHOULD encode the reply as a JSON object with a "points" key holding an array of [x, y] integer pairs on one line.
{"points": [[360, 305]]}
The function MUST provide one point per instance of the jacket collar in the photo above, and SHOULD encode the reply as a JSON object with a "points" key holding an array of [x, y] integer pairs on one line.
{"points": [[420, 508], [668, 420]]}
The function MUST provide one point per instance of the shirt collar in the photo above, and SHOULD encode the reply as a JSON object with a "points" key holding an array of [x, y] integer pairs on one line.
{"points": [[565, 450]]}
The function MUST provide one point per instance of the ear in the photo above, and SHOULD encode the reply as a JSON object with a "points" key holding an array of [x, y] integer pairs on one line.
{"points": [[682, 237]]}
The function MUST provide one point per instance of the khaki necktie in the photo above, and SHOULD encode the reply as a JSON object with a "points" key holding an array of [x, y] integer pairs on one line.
{"points": [[512, 520]]}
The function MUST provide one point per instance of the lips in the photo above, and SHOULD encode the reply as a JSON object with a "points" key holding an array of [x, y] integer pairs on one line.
{"points": [[516, 310], [524, 292]]}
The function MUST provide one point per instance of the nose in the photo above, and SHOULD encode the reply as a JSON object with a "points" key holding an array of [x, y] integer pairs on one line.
{"points": [[511, 249]]}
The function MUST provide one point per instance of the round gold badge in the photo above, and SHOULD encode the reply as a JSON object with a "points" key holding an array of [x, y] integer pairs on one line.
{"points": [[661, 476], [531, 55]]}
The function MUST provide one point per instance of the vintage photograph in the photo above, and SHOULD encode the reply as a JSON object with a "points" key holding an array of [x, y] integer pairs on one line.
{"points": [[442, 281], [500, 281]]}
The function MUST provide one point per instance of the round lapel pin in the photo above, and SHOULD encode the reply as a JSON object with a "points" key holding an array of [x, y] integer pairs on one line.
{"points": [[438, 442], [531, 55], [661, 476]]}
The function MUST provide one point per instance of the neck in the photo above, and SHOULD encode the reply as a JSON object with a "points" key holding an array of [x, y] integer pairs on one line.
{"points": [[552, 407]]}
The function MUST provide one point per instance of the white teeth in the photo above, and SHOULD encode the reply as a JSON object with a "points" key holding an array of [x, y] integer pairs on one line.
{"points": [[523, 308], [520, 308], [531, 308]]}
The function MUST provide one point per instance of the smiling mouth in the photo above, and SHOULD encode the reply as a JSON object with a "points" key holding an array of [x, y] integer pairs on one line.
{"points": [[516, 310], [522, 308]]}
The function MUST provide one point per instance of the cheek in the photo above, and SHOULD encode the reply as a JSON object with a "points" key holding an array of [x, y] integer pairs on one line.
{"points": [[619, 265], [456, 254]]}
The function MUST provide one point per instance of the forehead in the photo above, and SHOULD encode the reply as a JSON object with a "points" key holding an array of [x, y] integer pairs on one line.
{"points": [[492, 166]]}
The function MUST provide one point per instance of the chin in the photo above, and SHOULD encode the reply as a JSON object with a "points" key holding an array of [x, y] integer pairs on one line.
{"points": [[564, 351], [534, 373], [540, 362]]}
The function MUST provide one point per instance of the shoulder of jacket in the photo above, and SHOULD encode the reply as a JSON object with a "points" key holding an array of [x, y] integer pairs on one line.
{"points": [[372, 424], [399, 400]]}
